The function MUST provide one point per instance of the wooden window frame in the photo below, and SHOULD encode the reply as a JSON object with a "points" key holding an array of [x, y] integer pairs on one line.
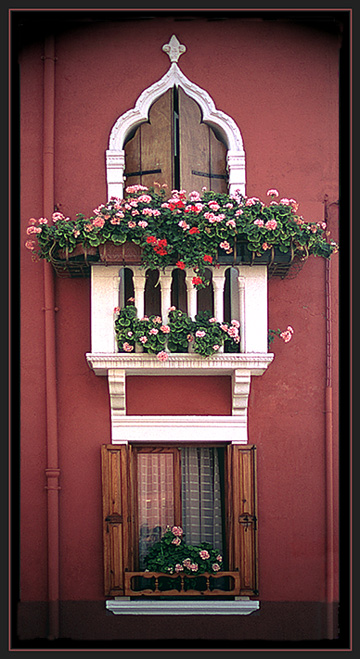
{"points": [[119, 496]]}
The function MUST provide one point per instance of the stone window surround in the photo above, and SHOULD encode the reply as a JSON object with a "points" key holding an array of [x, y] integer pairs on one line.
{"points": [[130, 120]]}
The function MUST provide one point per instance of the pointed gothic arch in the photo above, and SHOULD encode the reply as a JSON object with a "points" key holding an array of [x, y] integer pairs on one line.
{"points": [[128, 122]]}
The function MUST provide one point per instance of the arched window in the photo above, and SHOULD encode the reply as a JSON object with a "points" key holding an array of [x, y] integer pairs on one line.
{"points": [[176, 95], [176, 148]]}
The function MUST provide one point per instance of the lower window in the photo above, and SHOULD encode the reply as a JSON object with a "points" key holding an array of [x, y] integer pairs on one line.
{"points": [[206, 493]]}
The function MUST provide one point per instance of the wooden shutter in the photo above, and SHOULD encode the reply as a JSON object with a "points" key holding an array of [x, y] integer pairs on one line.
{"points": [[116, 516], [176, 148], [149, 153], [242, 515], [202, 154]]}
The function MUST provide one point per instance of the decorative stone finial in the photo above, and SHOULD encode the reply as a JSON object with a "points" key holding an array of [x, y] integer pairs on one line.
{"points": [[174, 49]]}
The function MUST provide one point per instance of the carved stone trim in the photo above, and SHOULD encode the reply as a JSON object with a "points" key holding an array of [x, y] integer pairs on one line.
{"points": [[174, 49], [179, 364], [174, 77]]}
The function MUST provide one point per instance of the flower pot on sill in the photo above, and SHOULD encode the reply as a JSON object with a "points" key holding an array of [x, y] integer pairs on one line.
{"points": [[126, 253]]}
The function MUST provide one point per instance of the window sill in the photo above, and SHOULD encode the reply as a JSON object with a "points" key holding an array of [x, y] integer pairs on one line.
{"points": [[124, 606]]}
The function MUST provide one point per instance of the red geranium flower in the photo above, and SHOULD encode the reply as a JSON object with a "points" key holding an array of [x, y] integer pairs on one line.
{"points": [[181, 265], [196, 281], [208, 258], [194, 230]]}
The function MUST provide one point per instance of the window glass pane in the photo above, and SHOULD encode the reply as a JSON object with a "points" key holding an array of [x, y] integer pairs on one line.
{"points": [[202, 517], [155, 498]]}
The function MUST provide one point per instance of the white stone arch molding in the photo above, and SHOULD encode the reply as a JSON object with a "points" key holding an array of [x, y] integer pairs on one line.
{"points": [[130, 120]]}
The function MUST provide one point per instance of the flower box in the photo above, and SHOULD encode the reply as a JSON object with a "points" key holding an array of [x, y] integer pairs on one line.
{"points": [[193, 232], [75, 263], [159, 584], [126, 253]]}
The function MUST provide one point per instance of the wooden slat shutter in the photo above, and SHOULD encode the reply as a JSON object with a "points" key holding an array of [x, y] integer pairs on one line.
{"points": [[202, 155], [116, 516], [151, 148], [242, 515]]}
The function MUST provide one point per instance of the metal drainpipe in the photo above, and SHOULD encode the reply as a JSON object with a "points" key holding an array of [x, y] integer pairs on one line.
{"points": [[329, 453], [52, 471]]}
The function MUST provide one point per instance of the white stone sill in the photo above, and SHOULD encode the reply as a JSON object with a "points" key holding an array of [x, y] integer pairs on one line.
{"points": [[179, 364], [124, 606]]}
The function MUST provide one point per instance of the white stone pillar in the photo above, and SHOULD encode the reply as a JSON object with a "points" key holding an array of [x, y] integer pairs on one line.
{"points": [[165, 286], [218, 281], [191, 293], [242, 320], [104, 298], [139, 280], [236, 171], [255, 325], [115, 166]]}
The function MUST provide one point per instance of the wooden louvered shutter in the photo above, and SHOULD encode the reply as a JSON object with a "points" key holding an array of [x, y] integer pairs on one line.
{"points": [[202, 154], [242, 515], [116, 516], [149, 153]]}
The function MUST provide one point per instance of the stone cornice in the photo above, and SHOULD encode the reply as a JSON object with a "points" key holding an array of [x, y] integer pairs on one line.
{"points": [[179, 364]]}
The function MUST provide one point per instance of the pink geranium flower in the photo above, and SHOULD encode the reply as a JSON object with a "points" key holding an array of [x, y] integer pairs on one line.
{"points": [[272, 193], [177, 530], [176, 541], [162, 356], [286, 336], [127, 347], [204, 554], [271, 225]]}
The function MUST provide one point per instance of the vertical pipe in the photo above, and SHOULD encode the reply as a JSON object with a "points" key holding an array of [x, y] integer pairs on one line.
{"points": [[52, 471], [329, 480]]}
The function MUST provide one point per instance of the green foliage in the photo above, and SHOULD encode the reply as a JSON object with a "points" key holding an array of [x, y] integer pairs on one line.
{"points": [[171, 555], [205, 334], [194, 231]]}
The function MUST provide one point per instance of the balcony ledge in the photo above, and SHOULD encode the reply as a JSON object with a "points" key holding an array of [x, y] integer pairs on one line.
{"points": [[179, 364]]}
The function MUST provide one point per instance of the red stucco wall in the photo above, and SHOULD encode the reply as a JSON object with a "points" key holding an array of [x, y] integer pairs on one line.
{"points": [[279, 82]]}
